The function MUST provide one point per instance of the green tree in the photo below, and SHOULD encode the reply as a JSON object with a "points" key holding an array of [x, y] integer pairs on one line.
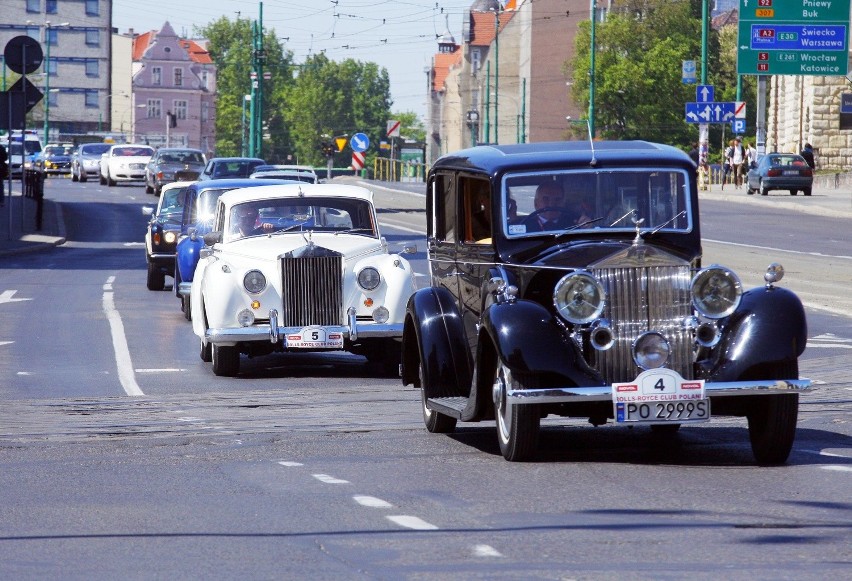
{"points": [[410, 126], [639, 51], [331, 99], [230, 46]]}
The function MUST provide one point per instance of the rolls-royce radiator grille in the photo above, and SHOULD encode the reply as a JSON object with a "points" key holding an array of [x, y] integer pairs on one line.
{"points": [[641, 299], [312, 291]]}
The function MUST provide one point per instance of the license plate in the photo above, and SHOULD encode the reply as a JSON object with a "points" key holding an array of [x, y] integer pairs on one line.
{"points": [[137, 166], [790, 172], [315, 338], [659, 396]]}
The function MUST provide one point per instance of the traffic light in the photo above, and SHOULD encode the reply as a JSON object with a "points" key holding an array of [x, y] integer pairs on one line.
{"points": [[327, 148]]}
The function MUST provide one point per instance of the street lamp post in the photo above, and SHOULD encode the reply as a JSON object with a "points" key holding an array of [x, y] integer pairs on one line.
{"points": [[47, 43], [246, 99]]}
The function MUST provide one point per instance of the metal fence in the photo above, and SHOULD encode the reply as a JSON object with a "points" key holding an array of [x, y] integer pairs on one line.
{"points": [[394, 170]]}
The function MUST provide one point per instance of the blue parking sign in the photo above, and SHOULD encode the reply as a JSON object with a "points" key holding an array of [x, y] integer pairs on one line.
{"points": [[738, 125]]}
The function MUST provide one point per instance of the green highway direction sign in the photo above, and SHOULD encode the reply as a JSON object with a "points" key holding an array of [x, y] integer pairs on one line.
{"points": [[793, 37]]}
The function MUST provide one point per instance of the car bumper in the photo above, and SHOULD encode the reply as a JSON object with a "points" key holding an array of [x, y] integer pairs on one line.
{"points": [[273, 333], [604, 393], [163, 260], [787, 183]]}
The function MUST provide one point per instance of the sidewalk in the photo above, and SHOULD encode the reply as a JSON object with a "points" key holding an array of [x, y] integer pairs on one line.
{"points": [[18, 233]]}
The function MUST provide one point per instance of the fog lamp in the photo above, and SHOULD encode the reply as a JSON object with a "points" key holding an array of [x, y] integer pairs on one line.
{"points": [[245, 318], [381, 315], [651, 350]]}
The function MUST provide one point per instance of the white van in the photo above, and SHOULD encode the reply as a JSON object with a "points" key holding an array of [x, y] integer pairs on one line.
{"points": [[21, 150]]}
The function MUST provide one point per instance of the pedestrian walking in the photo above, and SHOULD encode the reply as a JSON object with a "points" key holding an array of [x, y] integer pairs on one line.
{"points": [[751, 156], [808, 153], [727, 166], [738, 161]]}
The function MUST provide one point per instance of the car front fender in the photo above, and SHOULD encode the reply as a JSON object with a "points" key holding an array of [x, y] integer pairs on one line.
{"points": [[433, 336], [528, 339], [768, 327]]}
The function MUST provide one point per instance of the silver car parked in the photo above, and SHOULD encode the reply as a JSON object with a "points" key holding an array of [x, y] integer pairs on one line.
{"points": [[86, 161]]}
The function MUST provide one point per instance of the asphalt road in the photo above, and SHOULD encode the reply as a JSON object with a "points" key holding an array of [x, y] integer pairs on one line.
{"points": [[309, 467]]}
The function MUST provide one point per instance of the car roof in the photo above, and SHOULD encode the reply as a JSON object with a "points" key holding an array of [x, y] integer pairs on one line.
{"points": [[274, 192], [278, 167], [236, 183], [496, 158], [238, 159]]}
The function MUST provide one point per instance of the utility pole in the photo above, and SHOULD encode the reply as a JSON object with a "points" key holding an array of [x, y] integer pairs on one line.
{"points": [[258, 60], [496, 74], [594, 11]]}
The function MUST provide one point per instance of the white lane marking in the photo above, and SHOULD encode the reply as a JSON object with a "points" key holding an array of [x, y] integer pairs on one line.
{"points": [[7, 297], [108, 283], [395, 226], [119, 345], [817, 254], [290, 464], [329, 479], [6, 342], [163, 370], [24, 373], [372, 501], [369, 185], [838, 468], [486, 551], [412, 522], [818, 346], [190, 419], [831, 337]]}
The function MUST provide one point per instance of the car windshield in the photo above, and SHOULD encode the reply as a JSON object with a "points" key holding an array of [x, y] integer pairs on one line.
{"points": [[595, 199], [132, 151], [181, 157], [58, 150], [95, 149], [172, 201], [205, 206], [321, 214], [787, 161]]}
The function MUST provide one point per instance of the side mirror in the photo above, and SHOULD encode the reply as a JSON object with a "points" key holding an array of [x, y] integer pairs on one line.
{"points": [[147, 210], [409, 249], [212, 238]]}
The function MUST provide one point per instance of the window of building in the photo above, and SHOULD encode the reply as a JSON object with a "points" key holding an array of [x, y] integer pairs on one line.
{"points": [[92, 99], [52, 98], [50, 6], [92, 68], [205, 112], [50, 65], [205, 79], [93, 37], [180, 109], [178, 75], [154, 108], [157, 76], [475, 62], [93, 8], [52, 36], [33, 5]]}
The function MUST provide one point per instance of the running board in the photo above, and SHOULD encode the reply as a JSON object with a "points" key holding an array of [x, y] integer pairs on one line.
{"points": [[449, 406]]}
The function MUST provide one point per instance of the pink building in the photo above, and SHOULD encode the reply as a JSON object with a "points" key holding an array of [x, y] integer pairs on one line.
{"points": [[174, 92]]}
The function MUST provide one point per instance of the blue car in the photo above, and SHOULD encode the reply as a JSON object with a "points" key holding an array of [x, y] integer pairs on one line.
{"points": [[197, 220]]}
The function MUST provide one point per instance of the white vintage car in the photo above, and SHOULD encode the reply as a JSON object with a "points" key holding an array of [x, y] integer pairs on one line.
{"points": [[124, 163], [298, 267]]}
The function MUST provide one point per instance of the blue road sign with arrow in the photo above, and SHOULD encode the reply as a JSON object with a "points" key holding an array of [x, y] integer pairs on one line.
{"points": [[710, 112], [359, 142]]}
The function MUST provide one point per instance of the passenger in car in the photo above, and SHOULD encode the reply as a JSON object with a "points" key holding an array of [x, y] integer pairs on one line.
{"points": [[246, 222], [550, 211]]}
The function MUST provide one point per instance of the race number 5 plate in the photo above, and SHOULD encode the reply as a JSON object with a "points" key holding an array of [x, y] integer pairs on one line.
{"points": [[659, 396], [315, 338]]}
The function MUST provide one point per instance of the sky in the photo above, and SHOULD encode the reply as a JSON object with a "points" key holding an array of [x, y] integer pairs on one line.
{"points": [[399, 35]]}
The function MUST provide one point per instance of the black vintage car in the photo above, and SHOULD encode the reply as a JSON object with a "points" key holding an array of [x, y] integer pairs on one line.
{"points": [[567, 280]]}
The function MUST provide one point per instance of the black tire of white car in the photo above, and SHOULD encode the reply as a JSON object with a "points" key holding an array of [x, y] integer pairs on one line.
{"points": [[156, 278], [517, 432], [226, 360]]}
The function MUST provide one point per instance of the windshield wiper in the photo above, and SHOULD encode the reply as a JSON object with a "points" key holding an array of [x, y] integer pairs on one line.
{"points": [[664, 224], [586, 223], [363, 231]]}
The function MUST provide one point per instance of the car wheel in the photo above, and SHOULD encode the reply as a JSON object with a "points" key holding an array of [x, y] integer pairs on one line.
{"points": [[74, 177], [103, 180], [772, 421], [794, 192], [517, 426], [110, 181], [206, 352], [807, 191], [156, 278], [83, 176], [186, 307], [749, 190], [764, 191], [226, 360], [436, 422], [148, 189]]}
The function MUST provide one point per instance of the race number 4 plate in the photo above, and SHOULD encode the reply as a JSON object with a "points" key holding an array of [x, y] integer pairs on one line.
{"points": [[659, 396], [315, 338]]}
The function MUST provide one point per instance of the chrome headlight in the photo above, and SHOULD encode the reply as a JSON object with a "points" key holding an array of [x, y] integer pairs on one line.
{"points": [[579, 297], [651, 350], [369, 278], [381, 315], [245, 318], [716, 292], [254, 281], [170, 237]]}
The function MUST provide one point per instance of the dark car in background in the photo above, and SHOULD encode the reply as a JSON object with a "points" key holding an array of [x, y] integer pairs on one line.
{"points": [[169, 164], [162, 234], [780, 171], [196, 221], [86, 161], [606, 313], [301, 173], [54, 159], [222, 168]]}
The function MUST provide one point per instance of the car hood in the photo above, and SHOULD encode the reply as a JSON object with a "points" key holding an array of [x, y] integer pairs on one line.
{"points": [[271, 247], [131, 159], [606, 253], [179, 166], [58, 158]]}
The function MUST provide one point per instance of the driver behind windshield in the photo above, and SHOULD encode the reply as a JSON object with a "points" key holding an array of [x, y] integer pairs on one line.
{"points": [[245, 221]]}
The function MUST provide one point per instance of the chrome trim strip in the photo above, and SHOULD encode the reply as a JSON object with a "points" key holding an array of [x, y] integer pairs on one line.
{"points": [[604, 393]]}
